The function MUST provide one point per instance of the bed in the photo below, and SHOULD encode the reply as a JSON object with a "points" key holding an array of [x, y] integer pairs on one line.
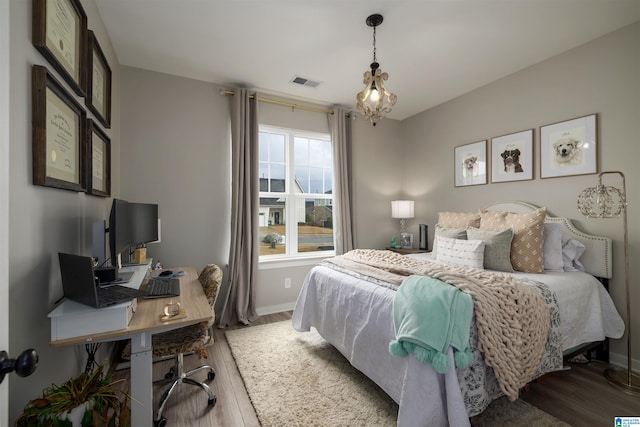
{"points": [[354, 312]]}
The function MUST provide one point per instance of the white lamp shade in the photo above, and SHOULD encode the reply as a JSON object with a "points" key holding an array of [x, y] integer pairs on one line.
{"points": [[402, 209]]}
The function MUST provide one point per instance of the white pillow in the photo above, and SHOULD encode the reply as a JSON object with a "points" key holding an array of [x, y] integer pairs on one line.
{"points": [[465, 253], [572, 250], [552, 248]]}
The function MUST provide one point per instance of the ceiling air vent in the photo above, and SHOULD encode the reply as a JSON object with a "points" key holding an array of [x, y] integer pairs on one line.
{"points": [[304, 82]]}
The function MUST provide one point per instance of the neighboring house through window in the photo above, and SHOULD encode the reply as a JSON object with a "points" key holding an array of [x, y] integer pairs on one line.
{"points": [[296, 193]]}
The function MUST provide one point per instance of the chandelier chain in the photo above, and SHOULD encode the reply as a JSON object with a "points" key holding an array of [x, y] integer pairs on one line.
{"points": [[374, 44]]}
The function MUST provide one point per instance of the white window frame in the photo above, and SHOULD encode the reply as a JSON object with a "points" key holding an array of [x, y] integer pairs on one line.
{"points": [[290, 196]]}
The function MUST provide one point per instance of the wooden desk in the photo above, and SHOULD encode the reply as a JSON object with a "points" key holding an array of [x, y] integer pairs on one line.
{"points": [[146, 322]]}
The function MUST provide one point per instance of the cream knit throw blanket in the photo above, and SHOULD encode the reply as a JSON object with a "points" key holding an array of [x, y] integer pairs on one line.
{"points": [[512, 318]]}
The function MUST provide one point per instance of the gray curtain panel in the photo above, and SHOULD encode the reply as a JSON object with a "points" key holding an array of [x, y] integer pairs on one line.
{"points": [[340, 128], [239, 304]]}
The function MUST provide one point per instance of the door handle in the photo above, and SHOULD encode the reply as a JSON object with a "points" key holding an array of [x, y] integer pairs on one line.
{"points": [[24, 365]]}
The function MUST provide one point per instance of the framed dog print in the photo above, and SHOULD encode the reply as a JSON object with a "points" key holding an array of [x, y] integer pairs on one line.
{"points": [[470, 164], [569, 148], [512, 157], [58, 134], [60, 34]]}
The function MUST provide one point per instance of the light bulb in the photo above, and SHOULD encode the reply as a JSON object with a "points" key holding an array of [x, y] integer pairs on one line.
{"points": [[375, 95]]}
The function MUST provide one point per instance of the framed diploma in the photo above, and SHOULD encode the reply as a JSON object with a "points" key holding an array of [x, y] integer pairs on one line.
{"points": [[98, 98], [97, 161], [60, 34], [58, 133]]}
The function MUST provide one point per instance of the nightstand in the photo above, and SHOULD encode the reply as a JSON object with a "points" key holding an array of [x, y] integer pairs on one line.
{"points": [[408, 251]]}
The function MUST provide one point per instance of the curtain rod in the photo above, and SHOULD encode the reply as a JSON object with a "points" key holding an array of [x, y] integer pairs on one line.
{"points": [[277, 102]]}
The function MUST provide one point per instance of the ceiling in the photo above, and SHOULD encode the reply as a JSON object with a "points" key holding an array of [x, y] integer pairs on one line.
{"points": [[433, 50]]}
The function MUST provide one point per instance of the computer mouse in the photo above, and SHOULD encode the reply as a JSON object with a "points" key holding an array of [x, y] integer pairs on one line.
{"points": [[166, 273]]}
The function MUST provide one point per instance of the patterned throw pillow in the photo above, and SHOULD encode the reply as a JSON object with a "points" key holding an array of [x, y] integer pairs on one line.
{"points": [[465, 253], [527, 246], [459, 219], [453, 233]]}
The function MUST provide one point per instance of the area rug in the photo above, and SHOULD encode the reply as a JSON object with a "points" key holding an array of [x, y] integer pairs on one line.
{"points": [[298, 379]]}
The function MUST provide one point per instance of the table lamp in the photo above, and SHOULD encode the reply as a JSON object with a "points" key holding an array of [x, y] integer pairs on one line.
{"points": [[403, 209], [604, 201]]}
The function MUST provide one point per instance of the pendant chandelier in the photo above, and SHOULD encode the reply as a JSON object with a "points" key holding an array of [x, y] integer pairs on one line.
{"points": [[375, 101]]}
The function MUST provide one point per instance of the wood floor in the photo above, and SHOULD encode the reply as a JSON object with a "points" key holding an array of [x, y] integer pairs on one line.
{"points": [[580, 396]]}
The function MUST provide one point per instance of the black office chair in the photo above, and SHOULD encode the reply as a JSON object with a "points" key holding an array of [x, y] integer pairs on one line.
{"points": [[189, 339]]}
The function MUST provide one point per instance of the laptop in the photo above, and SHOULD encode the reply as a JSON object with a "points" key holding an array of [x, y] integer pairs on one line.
{"points": [[80, 283]]}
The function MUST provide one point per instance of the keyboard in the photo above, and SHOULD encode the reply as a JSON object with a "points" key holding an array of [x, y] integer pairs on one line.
{"points": [[159, 287]]}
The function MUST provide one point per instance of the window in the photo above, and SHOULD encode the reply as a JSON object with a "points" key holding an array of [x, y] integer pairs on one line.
{"points": [[296, 193]]}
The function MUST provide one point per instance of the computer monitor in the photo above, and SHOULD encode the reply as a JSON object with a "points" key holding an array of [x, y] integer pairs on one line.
{"points": [[119, 229], [144, 223]]}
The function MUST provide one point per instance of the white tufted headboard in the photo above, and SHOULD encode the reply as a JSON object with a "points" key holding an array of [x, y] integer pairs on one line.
{"points": [[597, 255]]}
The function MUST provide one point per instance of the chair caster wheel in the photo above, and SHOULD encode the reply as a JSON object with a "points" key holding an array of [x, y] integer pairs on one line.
{"points": [[212, 402], [162, 422], [169, 375], [211, 376]]}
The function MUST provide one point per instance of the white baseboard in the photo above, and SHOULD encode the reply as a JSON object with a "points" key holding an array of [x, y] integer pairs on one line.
{"points": [[263, 311], [621, 361]]}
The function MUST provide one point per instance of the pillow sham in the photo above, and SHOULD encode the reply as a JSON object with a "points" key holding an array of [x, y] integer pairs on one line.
{"points": [[527, 244], [572, 250], [552, 248], [459, 219], [453, 233], [497, 249], [464, 253]]}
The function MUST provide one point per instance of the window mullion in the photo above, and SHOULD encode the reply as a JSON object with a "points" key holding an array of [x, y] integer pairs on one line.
{"points": [[292, 229]]}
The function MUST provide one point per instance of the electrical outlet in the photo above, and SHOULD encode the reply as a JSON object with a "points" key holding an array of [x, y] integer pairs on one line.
{"points": [[287, 282]]}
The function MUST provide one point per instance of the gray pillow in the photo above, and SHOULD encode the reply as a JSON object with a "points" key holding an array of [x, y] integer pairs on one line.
{"points": [[552, 247], [452, 233], [497, 249]]}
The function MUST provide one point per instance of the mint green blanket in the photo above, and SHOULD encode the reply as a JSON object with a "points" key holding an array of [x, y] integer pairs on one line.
{"points": [[429, 316]]}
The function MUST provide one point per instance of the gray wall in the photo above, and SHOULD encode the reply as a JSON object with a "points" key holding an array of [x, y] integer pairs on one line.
{"points": [[599, 77], [175, 152], [44, 221]]}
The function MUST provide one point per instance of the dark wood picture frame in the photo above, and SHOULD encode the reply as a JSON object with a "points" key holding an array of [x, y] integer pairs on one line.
{"points": [[62, 43], [98, 98], [97, 161], [58, 126]]}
